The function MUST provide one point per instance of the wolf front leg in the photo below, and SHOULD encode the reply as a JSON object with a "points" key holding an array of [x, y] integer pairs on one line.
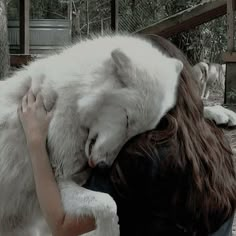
{"points": [[79, 202], [220, 115]]}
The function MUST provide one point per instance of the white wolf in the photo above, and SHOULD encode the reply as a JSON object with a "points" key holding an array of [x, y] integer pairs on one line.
{"points": [[107, 90], [201, 70], [209, 75]]}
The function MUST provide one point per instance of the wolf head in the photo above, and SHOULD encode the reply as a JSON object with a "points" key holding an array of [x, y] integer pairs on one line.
{"points": [[146, 91]]}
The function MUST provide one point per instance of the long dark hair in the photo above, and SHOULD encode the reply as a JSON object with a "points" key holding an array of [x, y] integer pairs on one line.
{"points": [[182, 173]]}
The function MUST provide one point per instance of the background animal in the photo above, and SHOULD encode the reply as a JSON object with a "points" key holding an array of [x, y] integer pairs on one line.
{"points": [[104, 91], [209, 75], [201, 70]]}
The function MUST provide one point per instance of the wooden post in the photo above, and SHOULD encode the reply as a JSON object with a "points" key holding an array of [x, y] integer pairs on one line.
{"points": [[87, 16], [24, 26], [230, 24], [70, 16], [102, 28], [114, 15], [187, 19], [4, 52], [230, 57]]}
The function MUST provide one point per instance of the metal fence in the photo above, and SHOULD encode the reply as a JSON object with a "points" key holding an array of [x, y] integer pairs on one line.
{"points": [[94, 16], [135, 15], [91, 17], [45, 35]]}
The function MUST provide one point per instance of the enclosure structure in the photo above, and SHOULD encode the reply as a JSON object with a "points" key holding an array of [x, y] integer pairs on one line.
{"points": [[230, 56], [187, 19], [198, 15], [29, 35]]}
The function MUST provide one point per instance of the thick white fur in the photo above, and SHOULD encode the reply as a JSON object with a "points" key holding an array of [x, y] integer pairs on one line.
{"points": [[107, 90], [201, 71], [220, 115]]}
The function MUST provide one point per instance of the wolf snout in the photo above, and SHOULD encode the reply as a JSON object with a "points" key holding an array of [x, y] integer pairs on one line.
{"points": [[103, 165], [91, 163], [100, 165]]}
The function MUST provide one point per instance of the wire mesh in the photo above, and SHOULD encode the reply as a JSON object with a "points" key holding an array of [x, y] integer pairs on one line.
{"points": [[91, 17], [95, 15], [137, 14], [134, 15]]}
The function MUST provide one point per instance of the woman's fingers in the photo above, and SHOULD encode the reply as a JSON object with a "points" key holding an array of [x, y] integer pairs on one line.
{"points": [[31, 97], [50, 114], [35, 103], [40, 104], [39, 100], [19, 111], [24, 103]]}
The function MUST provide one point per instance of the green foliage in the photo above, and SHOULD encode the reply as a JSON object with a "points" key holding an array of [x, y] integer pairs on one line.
{"points": [[138, 14], [13, 9], [231, 95], [175, 6], [206, 42], [45, 9], [40, 9], [215, 39]]}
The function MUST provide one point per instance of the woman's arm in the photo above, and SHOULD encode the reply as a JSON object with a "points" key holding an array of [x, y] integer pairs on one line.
{"points": [[35, 121], [49, 196]]}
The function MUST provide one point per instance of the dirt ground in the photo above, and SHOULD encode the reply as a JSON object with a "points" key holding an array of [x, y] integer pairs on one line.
{"points": [[216, 98]]}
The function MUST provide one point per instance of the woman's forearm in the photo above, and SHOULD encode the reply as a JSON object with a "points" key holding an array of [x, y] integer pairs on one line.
{"points": [[49, 197], [46, 186]]}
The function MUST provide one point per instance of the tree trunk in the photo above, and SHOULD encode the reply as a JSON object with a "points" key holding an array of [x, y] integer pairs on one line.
{"points": [[4, 51], [87, 16], [76, 24]]}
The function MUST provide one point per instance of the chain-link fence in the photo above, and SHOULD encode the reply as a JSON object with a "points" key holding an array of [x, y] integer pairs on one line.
{"points": [[91, 17], [135, 15], [39, 9], [94, 16]]}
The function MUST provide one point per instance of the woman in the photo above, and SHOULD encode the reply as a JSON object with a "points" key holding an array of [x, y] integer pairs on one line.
{"points": [[178, 179]]}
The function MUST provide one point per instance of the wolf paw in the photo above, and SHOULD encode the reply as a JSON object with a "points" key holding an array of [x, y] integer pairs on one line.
{"points": [[103, 205], [220, 115], [79, 201], [104, 210]]}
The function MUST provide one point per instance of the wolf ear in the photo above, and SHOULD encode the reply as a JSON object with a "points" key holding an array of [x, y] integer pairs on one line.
{"points": [[122, 62], [123, 66], [178, 65]]}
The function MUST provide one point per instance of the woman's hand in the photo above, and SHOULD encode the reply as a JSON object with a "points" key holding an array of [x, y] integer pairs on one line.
{"points": [[34, 118]]}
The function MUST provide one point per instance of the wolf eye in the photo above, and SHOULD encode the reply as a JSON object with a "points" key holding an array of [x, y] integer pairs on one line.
{"points": [[92, 142]]}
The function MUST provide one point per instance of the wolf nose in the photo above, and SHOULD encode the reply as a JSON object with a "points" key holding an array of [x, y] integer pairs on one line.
{"points": [[102, 165], [91, 164]]}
